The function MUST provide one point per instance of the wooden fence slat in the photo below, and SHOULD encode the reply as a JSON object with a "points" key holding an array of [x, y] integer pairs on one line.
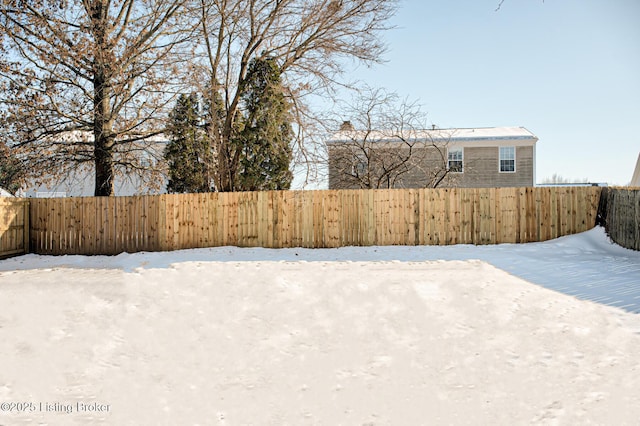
{"points": [[14, 226], [271, 217], [317, 224], [368, 226], [484, 216]]}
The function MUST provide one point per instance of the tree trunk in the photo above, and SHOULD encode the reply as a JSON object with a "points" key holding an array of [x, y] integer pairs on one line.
{"points": [[104, 166], [224, 167], [103, 136], [228, 155]]}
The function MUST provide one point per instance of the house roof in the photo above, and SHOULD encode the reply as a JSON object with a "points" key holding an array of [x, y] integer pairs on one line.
{"points": [[440, 135], [635, 180], [5, 193], [87, 136]]}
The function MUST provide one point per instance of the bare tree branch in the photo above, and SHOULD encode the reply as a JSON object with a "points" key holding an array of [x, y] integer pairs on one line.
{"points": [[500, 5]]}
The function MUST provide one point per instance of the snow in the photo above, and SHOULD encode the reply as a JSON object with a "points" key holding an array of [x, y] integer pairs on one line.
{"points": [[477, 134], [588, 266], [357, 335], [5, 193]]}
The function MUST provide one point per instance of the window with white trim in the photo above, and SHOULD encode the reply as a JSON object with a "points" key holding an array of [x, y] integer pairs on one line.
{"points": [[455, 160], [507, 159]]}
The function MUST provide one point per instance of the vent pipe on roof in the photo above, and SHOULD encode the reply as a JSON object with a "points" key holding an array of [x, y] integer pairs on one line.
{"points": [[346, 126]]}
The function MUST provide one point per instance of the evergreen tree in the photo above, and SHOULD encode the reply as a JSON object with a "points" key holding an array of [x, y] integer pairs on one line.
{"points": [[265, 139], [187, 153]]}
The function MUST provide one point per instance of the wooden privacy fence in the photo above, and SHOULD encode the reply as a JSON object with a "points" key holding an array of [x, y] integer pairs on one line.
{"points": [[110, 225], [620, 211], [14, 226]]}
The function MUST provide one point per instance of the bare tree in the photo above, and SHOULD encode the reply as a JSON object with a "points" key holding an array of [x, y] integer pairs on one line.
{"points": [[384, 144], [86, 83], [310, 40], [559, 180]]}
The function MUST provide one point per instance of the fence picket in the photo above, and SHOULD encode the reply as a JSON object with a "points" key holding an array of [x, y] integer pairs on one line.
{"points": [[14, 226]]}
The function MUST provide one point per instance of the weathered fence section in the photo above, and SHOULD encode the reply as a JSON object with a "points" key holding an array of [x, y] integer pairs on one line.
{"points": [[110, 225], [620, 213], [14, 226]]}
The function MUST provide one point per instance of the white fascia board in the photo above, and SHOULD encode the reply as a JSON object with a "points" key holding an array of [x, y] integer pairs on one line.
{"points": [[481, 137]]}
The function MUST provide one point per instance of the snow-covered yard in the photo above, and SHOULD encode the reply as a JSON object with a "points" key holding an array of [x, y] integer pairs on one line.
{"points": [[353, 336]]}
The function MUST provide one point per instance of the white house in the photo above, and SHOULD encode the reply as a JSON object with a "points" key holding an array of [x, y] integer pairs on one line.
{"points": [[5, 193], [635, 180], [81, 181]]}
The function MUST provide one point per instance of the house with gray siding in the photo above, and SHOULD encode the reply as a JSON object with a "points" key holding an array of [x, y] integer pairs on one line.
{"points": [[464, 157]]}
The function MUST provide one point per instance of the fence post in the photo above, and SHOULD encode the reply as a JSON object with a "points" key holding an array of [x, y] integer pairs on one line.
{"points": [[162, 223], [26, 207]]}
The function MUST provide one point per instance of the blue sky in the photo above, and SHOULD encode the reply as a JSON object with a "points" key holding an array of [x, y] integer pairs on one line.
{"points": [[567, 70]]}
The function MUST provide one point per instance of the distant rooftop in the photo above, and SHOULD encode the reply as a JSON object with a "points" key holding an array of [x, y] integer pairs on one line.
{"points": [[445, 135], [5, 193], [635, 180]]}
